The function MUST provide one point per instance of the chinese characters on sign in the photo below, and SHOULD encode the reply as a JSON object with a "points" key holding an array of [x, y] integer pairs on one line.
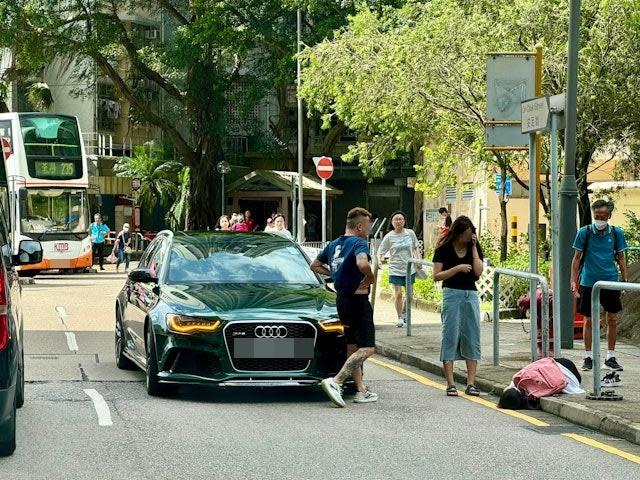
{"points": [[535, 115]]}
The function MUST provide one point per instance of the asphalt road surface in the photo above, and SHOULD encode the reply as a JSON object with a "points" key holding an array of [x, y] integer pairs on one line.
{"points": [[85, 419]]}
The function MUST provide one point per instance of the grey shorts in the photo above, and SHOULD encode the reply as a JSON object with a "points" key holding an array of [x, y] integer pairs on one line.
{"points": [[460, 325]]}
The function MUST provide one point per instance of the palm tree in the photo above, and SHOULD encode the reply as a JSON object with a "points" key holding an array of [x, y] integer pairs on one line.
{"points": [[178, 214], [159, 177]]}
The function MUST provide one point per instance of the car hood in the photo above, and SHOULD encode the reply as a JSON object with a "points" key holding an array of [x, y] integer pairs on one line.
{"points": [[234, 302]]}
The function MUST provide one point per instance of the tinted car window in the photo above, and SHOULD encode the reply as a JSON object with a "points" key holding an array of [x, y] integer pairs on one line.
{"points": [[148, 253], [157, 260], [238, 259]]}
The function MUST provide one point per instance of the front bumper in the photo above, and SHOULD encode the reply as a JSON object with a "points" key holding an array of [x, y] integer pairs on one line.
{"points": [[207, 360]]}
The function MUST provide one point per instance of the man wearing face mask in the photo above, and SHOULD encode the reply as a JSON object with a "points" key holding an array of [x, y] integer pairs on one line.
{"points": [[598, 248]]}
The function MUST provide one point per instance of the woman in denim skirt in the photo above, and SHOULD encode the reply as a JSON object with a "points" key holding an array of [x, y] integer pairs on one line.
{"points": [[458, 265]]}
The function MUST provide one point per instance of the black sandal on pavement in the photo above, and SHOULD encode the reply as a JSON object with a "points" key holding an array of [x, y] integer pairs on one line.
{"points": [[472, 390], [452, 391]]}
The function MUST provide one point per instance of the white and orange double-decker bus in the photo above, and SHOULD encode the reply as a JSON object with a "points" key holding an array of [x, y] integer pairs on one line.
{"points": [[46, 166]]}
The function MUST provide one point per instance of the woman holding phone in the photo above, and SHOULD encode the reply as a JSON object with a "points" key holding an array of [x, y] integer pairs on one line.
{"points": [[458, 265]]}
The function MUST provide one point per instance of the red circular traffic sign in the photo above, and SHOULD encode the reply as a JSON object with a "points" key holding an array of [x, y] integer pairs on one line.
{"points": [[324, 168]]}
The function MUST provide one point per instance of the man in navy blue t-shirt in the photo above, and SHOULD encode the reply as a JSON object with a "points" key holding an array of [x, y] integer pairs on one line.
{"points": [[348, 260]]}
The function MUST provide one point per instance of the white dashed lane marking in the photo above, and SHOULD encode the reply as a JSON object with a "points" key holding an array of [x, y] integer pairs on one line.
{"points": [[71, 341], [102, 409]]}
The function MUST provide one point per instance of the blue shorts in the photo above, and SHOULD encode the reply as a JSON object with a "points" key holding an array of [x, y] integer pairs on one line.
{"points": [[401, 280]]}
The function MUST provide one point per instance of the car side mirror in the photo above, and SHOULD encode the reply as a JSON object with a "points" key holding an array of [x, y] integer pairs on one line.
{"points": [[29, 252], [142, 275]]}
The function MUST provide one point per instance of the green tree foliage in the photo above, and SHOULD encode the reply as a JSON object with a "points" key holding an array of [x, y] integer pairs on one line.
{"points": [[412, 80], [208, 48]]}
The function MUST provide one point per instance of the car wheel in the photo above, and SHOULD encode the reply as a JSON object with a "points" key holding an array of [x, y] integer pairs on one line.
{"points": [[8, 447], [20, 385], [154, 387], [122, 362]]}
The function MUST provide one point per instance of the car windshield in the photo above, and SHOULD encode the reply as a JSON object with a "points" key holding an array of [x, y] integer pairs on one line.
{"points": [[237, 258]]}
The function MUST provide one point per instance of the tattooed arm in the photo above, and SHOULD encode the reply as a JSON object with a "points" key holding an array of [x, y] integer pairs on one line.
{"points": [[318, 267], [362, 261]]}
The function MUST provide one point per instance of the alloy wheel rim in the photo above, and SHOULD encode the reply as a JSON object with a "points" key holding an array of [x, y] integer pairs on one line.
{"points": [[118, 337], [148, 352]]}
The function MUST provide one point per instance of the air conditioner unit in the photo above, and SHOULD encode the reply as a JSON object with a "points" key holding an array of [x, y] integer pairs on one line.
{"points": [[152, 34]]}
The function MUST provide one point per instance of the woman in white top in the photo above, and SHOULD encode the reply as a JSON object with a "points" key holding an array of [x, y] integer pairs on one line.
{"points": [[402, 245], [280, 227]]}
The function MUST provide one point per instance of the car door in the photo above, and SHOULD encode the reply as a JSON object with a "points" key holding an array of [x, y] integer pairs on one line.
{"points": [[143, 296], [131, 311]]}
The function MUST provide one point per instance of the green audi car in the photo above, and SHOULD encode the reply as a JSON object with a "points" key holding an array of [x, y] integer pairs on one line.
{"points": [[227, 308]]}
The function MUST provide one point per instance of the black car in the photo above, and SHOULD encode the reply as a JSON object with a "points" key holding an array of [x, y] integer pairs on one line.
{"points": [[11, 351], [227, 308]]}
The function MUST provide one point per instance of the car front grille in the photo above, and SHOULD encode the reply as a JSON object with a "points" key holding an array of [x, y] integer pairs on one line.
{"points": [[246, 330]]}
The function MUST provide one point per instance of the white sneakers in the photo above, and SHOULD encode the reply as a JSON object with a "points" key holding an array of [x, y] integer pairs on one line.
{"points": [[365, 397], [333, 391]]}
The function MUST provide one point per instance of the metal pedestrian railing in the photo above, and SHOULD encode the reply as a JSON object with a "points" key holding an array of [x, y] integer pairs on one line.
{"points": [[139, 242], [409, 287], [539, 279], [595, 324]]}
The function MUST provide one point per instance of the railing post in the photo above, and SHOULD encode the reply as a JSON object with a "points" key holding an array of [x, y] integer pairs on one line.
{"points": [[595, 331], [496, 317], [545, 315], [533, 320]]}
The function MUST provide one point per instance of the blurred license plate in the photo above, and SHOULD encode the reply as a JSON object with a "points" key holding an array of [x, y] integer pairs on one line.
{"points": [[273, 348]]}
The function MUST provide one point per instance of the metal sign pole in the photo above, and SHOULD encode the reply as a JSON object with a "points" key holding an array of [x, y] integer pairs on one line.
{"points": [[324, 211], [555, 229], [533, 237]]}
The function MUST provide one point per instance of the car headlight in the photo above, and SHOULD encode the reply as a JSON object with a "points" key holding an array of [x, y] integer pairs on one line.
{"points": [[187, 325], [331, 326]]}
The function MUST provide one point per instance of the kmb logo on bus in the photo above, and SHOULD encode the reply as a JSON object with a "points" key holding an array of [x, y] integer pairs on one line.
{"points": [[61, 247]]}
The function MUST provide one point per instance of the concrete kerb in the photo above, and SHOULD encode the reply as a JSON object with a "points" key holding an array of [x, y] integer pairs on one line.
{"points": [[571, 411]]}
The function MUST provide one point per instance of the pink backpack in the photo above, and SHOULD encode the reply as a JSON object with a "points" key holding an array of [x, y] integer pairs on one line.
{"points": [[541, 378]]}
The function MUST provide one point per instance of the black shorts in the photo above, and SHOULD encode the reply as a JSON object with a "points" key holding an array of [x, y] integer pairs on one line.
{"points": [[356, 315], [609, 299]]}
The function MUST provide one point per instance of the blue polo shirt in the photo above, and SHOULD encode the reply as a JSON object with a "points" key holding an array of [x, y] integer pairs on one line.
{"points": [[340, 255], [98, 232], [599, 260]]}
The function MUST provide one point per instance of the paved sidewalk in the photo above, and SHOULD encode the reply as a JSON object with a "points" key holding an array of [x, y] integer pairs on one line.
{"points": [[422, 350]]}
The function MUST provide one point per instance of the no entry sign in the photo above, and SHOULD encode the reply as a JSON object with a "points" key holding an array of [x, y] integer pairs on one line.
{"points": [[324, 168]]}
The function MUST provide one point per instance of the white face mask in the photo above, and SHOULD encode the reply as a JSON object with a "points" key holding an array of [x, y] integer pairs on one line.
{"points": [[126, 229], [600, 224]]}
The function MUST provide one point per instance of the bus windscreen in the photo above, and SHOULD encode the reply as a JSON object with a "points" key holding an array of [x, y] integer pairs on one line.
{"points": [[52, 146], [53, 210]]}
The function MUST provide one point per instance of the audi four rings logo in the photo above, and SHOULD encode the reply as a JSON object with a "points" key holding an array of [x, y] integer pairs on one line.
{"points": [[270, 331]]}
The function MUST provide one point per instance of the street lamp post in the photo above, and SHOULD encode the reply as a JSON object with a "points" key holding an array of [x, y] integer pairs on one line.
{"points": [[568, 186], [136, 183], [223, 168], [300, 215]]}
